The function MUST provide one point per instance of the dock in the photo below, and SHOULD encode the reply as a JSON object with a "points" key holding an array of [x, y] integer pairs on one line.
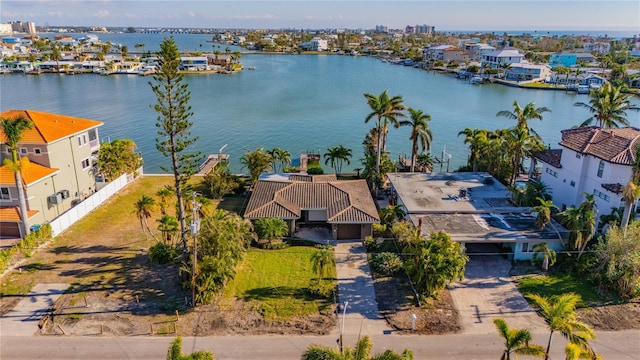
{"points": [[211, 162]]}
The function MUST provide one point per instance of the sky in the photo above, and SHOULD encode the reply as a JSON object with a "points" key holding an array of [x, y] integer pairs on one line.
{"points": [[530, 15]]}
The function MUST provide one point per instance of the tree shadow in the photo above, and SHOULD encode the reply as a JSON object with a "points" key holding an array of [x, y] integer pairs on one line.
{"points": [[277, 292]]}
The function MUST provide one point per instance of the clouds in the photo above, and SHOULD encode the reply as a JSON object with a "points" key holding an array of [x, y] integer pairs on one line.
{"points": [[102, 14]]}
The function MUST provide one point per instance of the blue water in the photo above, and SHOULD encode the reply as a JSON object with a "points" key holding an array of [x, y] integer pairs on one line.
{"points": [[292, 102]]}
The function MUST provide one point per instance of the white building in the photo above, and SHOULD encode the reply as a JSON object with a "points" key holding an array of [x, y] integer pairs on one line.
{"points": [[477, 50], [592, 160], [6, 29], [318, 44], [436, 53], [498, 58]]}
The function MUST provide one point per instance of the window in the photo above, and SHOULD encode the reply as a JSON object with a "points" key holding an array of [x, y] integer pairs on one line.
{"points": [[572, 183], [525, 247], [601, 195], [37, 151], [84, 139], [79, 141], [578, 156], [85, 163], [600, 168], [551, 172], [4, 194], [93, 134], [23, 151]]}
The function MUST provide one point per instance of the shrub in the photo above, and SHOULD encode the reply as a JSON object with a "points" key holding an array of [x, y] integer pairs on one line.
{"points": [[321, 289], [386, 263], [271, 228], [315, 170], [370, 244], [379, 229], [291, 169], [272, 245], [175, 352], [162, 253]]}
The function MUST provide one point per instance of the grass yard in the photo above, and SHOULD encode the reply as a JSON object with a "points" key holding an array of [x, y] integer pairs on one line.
{"points": [[276, 282], [558, 284]]}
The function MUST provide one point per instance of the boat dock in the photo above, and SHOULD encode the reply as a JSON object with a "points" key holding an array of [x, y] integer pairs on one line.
{"points": [[211, 162]]}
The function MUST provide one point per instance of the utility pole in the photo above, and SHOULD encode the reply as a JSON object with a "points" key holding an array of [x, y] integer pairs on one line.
{"points": [[194, 230]]}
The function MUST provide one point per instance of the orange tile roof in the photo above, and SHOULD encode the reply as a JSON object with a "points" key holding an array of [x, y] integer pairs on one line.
{"points": [[616, 145], [30, 174], [48, 127], [12, 214]]}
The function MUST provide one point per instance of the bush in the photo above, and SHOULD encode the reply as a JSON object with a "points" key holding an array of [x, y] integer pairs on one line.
{"points": [[271, 228], [386, 263], [315, 171], [175, 352], [379, 229], [370, 244], [162, 253], [321, 289], [291, 169], [272, 245]]}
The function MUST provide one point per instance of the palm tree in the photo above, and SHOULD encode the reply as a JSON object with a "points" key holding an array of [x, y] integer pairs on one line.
{"points": [[560, 314], [631, 192], [392, 213], [386, 110], [164, 194], [544, 212], [548, 255], [144, 206], [279, 159], [168, 226], [256, 162], [424, 162], [517, 341], [523, 115], [362, 351], [420, 133], [609, 106], [56, 55], [519, 144], [321, 260], [337, 155], [477, 140], [13, 130]]}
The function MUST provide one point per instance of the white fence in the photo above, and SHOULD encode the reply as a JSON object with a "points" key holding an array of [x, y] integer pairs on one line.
{"points": [[77, 212]]}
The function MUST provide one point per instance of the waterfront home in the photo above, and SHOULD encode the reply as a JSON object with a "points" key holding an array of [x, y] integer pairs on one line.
{"points": [[527, 72], [436, 53], [499, 58], [477, 50], [219, 59], [316, 44], [592, 160], [570, 59], [573, 81], [193, 63], [473, 208], [345, 207], [455, 55], [62, 152]]}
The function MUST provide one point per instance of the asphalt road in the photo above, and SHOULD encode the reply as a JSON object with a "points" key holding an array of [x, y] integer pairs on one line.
{"points": [[619, 345]]}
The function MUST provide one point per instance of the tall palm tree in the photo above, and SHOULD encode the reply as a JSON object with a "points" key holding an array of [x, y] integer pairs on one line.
{"points": [[337, 155], [609, 106], [420, 133], [519, 144], [631, 192], [386, 110], [56, 55], [13, 130], [516, 341], [321, 260], [257, 162], [144, 207], [279, 159], [523, 115], [560, 315]]}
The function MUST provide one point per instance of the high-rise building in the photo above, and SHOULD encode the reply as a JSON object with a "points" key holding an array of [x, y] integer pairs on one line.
{"points": [[23, 27], [382, 29], [425, 29]]}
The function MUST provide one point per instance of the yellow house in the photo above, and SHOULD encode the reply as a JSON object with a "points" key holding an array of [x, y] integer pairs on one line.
{"points": [[61, 170]]}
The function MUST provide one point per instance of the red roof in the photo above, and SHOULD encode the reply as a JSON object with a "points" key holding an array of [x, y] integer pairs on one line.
{"points": [[613, 145], [48, 127]]}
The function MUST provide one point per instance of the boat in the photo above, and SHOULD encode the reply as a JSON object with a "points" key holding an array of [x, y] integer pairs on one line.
{"points": [[475, 80], [147, 70], [251, 68], [583, 89]]}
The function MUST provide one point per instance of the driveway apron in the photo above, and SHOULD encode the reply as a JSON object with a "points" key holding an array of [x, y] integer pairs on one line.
{"points": [[488, 292], [23, 320]]}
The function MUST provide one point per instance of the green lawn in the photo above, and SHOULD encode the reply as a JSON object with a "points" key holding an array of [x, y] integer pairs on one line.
{"points": [[557, 284], [276, 282]]}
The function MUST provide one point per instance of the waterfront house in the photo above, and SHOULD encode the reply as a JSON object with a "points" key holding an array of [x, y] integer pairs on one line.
{"points": [[499, 58], [527, 72], [193, 63], [316, 44], [436, 53], [477, 50], [62, 152], [592, 160], [344, 207], [474, 209], [454, 55], [219, 59], [570, 59]]}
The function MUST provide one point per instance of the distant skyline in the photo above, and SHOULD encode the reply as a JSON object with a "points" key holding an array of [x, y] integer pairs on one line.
{"points": [[526, 15]]}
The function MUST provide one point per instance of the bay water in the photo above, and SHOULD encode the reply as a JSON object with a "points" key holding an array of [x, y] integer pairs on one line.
{"points": [[294, 102]]}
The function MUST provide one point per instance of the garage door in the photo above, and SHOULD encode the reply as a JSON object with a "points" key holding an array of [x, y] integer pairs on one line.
{"points": [[348, 231], [9, 230]]}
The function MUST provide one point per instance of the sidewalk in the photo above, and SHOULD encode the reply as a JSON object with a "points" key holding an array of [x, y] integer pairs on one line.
{"points": [[355, 287]]}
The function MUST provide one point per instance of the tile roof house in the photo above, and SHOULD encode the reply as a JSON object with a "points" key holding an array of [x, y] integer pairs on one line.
{"points": [[61, 169], [593, 160], [346, 206]]}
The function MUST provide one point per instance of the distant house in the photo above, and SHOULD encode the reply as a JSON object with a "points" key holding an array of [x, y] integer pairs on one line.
{"points": [[316, 44], [527, 72], [455, 55], [499, 58], [592, 160], [193, 63], [346, 207], [569, 59], [62, 152], [436, 53], [477, 50], [219, 59]]}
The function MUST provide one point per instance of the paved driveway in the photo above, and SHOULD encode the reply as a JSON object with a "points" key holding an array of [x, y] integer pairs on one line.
{"points": [[488, 292]]}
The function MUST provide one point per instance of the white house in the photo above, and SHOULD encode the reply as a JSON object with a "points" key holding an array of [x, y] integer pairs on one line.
{"points": [[527, 72], [436, 53], [498, 58], [477, 50], [592, 160]]}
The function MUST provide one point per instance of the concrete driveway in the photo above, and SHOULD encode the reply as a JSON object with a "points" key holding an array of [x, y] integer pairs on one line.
{"points": [[488, 292]]}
